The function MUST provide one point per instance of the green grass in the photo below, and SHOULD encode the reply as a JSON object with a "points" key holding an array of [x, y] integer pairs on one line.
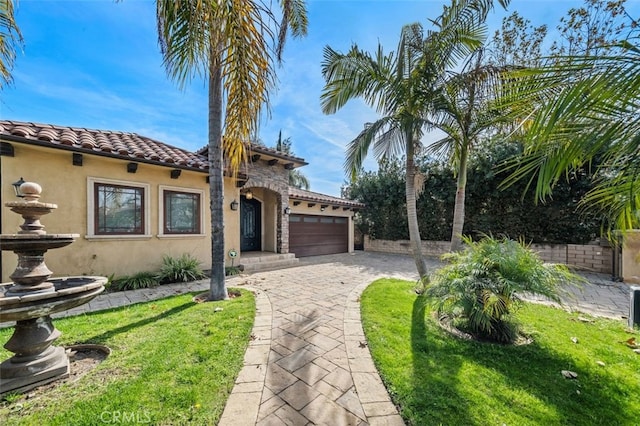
{"points": [[172, 362], [438, 379]]}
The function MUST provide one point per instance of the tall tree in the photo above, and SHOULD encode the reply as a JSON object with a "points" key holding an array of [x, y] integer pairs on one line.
{"points": [[227, 41], [590, 29], [516, 43], [10, 40], [400, 86], [463, 111]]}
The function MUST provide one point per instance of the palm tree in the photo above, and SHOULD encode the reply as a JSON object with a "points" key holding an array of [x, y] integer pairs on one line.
{"points": [[10, 38], [227, 41], [462, 111], [574, 111], [298, 180], [401, 87]]}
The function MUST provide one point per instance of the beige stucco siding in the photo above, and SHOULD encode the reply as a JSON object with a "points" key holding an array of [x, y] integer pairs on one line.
{"points": [[67, 186], [631, 257]]}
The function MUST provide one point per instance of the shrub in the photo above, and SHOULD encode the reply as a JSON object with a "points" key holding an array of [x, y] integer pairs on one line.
{"points": [[134, 282], [482, 286], [182, 269], [231, 270]]}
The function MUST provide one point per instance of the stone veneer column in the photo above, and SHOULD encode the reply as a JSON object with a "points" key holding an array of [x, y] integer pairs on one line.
{"points": [[283, 224]]}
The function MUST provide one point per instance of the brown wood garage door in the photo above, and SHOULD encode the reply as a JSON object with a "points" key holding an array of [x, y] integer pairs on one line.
{"points": [[315, 235]]}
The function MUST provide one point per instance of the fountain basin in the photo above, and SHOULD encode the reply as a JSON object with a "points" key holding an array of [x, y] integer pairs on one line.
{"points": [[30, 242], [68, 293]]}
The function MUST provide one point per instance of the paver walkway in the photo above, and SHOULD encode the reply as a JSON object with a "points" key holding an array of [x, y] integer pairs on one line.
{"points": [[308, 362]]}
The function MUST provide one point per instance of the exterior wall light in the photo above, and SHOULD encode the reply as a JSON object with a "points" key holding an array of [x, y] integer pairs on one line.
{"points": [[234, 205], [16, 187], [248, 195], [287, 210]]}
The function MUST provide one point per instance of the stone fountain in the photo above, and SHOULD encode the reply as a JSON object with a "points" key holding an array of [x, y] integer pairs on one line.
{"points": [[33, 296]]}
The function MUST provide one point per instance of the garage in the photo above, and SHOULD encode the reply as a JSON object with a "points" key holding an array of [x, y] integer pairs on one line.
{"points": [[315, 235]]}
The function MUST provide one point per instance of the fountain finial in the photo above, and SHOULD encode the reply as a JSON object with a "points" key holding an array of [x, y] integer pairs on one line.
{"points": [[30, 191]]}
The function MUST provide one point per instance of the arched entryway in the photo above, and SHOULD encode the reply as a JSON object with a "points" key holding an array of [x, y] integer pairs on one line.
{"points": [[250, 224]]}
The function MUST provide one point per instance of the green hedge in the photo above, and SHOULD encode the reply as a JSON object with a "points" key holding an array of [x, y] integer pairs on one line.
{"points": [[509, 212]]}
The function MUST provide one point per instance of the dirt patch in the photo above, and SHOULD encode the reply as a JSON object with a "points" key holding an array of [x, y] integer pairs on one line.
{"points": [[446, 323], [82, 359], [204, 297]]}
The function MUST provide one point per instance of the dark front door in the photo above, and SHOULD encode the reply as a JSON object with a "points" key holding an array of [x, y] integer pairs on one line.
{"points": [[250, 224]]}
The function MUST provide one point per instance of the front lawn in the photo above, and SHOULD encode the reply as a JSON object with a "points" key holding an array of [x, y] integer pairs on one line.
{"points": [[173, 362], [438, 379]]}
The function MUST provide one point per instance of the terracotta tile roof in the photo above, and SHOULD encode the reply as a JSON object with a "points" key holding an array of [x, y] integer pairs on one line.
{"points": [[270, 152], [130, 146], [302, 195]]}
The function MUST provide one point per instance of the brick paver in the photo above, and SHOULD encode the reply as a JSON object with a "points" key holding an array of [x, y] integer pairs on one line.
{"points": [[308, 362]]}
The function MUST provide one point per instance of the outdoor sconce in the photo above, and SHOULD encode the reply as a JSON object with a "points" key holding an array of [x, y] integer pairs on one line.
{"points": [[234, 205], [287, 210], [16, 187], [323, 207], [248, 194]]}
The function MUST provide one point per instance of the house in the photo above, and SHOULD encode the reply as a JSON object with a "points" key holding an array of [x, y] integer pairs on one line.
{"points": [[133, 199]]}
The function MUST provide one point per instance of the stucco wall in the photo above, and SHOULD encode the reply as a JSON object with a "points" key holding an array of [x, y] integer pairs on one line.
{"points": [[66, 186], [631, 257]]}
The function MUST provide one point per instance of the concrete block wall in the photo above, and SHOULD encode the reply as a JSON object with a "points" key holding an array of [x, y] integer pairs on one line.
{"points": [[553, 253], [429, 248], [590, 257]]}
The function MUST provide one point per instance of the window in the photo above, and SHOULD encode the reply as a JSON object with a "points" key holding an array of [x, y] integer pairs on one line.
{"points": [[181, 212], [119, 209]]}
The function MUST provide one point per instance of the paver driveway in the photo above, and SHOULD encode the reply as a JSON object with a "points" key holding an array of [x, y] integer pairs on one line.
{"points": [[315, 365]]}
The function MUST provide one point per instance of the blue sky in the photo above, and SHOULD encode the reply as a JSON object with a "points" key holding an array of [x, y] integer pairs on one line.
{"points": [[96, 64]]}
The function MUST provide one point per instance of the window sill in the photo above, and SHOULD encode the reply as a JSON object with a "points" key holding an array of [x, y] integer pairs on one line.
{"points": [[169, 236], [117, 237]]}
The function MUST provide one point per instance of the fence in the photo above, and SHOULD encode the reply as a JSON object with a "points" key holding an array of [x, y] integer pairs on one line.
{"points": [[594, 257]]}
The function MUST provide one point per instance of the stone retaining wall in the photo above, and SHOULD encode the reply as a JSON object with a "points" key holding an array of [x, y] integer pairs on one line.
{"points": [[591, 257]]}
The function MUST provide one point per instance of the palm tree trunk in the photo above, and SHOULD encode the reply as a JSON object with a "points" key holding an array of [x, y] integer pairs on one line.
{"points": [[217, 285], [412, 213], [458, 211]]}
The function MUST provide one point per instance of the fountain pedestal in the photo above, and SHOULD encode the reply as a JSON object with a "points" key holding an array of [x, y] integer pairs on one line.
{"points": [[35, 362], [33, 297]]}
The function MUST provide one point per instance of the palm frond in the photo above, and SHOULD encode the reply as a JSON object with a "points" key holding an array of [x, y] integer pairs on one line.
{"points": [[577, 109], [294, 16], [358, 148], [10, 41], [355, 74]]}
